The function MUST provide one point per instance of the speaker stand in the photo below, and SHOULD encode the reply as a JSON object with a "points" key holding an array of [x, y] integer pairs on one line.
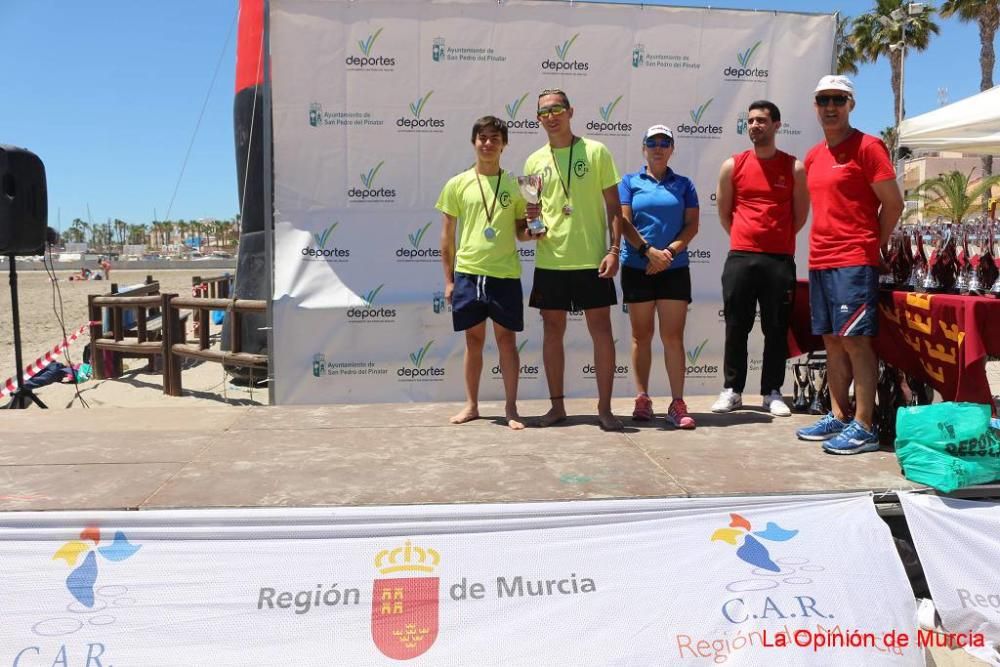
{"points": [[23, 397]]}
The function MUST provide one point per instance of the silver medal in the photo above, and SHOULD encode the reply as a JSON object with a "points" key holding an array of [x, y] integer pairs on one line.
{"points": [[489, 233], [567, 209]]}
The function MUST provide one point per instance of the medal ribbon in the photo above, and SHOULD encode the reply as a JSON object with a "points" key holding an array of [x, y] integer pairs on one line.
{"points": [[569, 172], [482, 194]]}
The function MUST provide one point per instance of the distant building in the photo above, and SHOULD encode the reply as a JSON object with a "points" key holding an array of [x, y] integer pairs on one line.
{"points": [[919, 169]]}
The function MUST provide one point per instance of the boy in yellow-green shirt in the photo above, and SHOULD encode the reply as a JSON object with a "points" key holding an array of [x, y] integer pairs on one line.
{"points": [[483, 275], [577, 259]]}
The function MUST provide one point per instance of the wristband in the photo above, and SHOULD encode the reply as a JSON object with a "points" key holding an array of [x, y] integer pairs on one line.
{"points": [[672, 253], [614, 249], [643, 249]]}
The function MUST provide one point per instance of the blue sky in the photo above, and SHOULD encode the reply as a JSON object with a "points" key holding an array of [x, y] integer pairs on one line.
{"points": [[108, 93]]}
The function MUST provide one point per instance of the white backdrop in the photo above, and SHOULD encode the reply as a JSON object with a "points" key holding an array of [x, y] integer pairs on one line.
{"points": [[373, 103], [646, 582], [958, 542]]}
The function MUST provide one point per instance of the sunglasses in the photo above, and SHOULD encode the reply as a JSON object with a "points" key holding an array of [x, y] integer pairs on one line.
{"points": [[658, 143], [838, 100], [554, 110]]}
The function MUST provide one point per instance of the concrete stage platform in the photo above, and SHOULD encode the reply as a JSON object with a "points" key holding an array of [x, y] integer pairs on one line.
{"points": [[147, 458]]}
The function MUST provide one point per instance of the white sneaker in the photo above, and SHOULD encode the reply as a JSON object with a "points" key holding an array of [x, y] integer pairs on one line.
{"points": [[775, 402], [728, 401]]}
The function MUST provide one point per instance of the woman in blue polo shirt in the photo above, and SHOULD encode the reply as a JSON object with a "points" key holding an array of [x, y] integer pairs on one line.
{"points": [[662, 206]]}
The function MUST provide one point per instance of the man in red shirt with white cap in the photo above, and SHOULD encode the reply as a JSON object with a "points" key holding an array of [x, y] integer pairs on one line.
{"points": [[856, 203]]}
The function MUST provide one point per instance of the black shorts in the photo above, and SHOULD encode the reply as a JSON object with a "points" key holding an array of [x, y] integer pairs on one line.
{"points": [[574, 290], [477, 297], [672, 285]]}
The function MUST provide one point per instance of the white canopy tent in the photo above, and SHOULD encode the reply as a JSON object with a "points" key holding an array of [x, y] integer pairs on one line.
{"points": [[971, 125]]}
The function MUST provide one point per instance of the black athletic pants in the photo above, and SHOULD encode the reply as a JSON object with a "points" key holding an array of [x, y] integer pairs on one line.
{"points": [[749, 278]]}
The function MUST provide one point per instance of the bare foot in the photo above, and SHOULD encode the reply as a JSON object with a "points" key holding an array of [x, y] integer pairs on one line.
{"points": [[514, 421], [609, 422], [554, 416], [468, 414]]}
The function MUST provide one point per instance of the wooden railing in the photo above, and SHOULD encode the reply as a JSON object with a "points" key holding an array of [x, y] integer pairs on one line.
{"points": [[159, 332], [176, 346], [126, 319], [214, 287]]}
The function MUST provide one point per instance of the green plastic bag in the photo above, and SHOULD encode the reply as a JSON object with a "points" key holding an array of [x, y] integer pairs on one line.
{"points": [[947, 445]]}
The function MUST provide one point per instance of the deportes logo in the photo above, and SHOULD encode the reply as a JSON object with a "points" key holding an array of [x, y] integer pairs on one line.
{"points": [[418, 123], [562, 65], [405, 609], [369, 312], [419, 372], [696, 370], [414, 253], [745, 72], [699, 256], [590, 371], [513, 123], [369, 193], [525, 372], [367, 61], [318, 251], [698, 129], [607, 125]]}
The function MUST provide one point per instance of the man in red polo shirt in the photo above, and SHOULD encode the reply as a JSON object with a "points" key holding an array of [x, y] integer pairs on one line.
{"points": [[856, 203], [763, 202]]}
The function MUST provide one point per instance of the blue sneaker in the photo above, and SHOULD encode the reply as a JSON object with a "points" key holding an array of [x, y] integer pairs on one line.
{"points": [[854, 439], [824, 429]]}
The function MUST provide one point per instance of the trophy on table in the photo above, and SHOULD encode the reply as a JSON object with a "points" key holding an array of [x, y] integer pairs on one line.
{"points": [[975, 257], [900, 259], [989, 274], [531, 190], [944, 268], [963, 262], [918, 272]]}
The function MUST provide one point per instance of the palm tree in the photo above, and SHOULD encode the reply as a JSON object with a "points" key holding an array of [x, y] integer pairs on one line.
{"points": [[182, 228], [874, 38], [73, 235], [121, 230], [987, 14], [889, 137], [954, 195], [847, 55]]}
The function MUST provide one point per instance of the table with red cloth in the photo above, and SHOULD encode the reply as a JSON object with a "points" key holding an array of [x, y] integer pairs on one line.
{"points": [[940, 339]]}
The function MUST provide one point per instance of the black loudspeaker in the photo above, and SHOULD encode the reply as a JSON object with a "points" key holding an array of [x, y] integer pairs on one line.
{"points": [[24, 207]]}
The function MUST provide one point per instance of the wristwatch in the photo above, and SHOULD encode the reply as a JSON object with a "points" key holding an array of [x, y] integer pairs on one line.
{"points": [[643, 249]]}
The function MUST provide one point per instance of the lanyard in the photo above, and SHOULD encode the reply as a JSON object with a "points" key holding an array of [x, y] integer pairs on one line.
{"points": [[489, 210], [569, 172]]}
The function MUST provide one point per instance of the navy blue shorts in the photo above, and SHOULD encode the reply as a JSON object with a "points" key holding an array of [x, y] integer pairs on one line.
{"points": [[844, 301], [479, 297]]}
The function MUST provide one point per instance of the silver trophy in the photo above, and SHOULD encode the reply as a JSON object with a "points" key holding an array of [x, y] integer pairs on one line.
{"points": [[531, 190]]}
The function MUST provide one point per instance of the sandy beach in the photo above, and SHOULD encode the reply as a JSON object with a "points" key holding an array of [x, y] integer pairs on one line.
{"points": [[40, 330]]}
